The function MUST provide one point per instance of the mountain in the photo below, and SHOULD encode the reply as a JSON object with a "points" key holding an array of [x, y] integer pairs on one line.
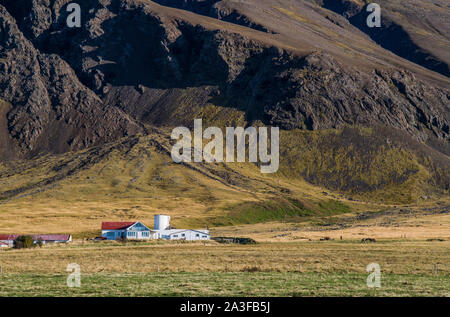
{"points": [[357, 100], [354, 170]]}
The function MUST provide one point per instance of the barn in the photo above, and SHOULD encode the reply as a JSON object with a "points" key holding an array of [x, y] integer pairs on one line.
{"points": [[165, 231], [129, 230], [184, 234], [8, 239], [52, 238]]}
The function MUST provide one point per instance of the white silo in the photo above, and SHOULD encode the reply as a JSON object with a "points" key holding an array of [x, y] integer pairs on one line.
{"points": [[162, 222]]}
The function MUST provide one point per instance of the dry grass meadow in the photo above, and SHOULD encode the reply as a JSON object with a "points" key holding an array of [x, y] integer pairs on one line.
{"points": [[307, 268], [346, 256]]}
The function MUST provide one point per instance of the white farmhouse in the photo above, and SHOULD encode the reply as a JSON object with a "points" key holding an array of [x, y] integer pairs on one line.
{"points": [[130, 230]]}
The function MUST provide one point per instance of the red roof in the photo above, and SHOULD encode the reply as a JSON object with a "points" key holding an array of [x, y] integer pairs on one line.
{"points": [[116, 225], [45, 237], [8, 236], [52, 237]]}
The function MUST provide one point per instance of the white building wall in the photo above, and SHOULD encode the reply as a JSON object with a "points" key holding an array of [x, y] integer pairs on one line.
{"points": [[189, 235]]}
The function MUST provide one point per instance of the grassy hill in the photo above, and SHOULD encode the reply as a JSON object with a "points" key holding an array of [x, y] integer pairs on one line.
{"points": [[321, 174]]}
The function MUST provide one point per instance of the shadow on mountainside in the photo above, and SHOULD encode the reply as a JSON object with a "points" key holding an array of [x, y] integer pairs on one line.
{"points": [[391, 36]]}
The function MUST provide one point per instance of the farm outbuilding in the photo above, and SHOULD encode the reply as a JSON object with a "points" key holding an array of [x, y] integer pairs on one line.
{"points": [[183, 234], [164, 231], [8, 239]]}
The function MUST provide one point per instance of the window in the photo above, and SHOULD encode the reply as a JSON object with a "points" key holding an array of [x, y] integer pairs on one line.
{"points": [[131, 234], [183, 235], [145, 234], [204, 236], [197, 235], [175, 236]]}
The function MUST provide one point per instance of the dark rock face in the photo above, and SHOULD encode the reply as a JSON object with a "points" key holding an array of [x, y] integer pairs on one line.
{"points": [[52, 111], [316, 92], [131, 65]]}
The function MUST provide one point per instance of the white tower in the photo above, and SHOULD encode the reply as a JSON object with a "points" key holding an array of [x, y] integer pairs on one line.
{"points": [[162, 222]]}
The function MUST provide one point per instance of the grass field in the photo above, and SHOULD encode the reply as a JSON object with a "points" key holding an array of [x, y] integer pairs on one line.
{"points": [[308, 268], [224, 284]]}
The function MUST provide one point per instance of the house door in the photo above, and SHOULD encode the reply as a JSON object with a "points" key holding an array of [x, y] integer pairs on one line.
{"points": [[138, 235]]}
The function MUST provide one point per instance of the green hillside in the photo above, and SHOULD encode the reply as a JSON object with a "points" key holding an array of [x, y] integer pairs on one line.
{"points": [[321, 174]]}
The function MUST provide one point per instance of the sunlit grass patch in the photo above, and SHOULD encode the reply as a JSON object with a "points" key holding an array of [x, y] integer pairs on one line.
{"points": [[224, 284]]}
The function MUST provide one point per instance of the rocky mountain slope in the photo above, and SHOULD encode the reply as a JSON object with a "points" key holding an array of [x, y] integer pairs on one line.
{"points": [[135, 64], [416, 30]]}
